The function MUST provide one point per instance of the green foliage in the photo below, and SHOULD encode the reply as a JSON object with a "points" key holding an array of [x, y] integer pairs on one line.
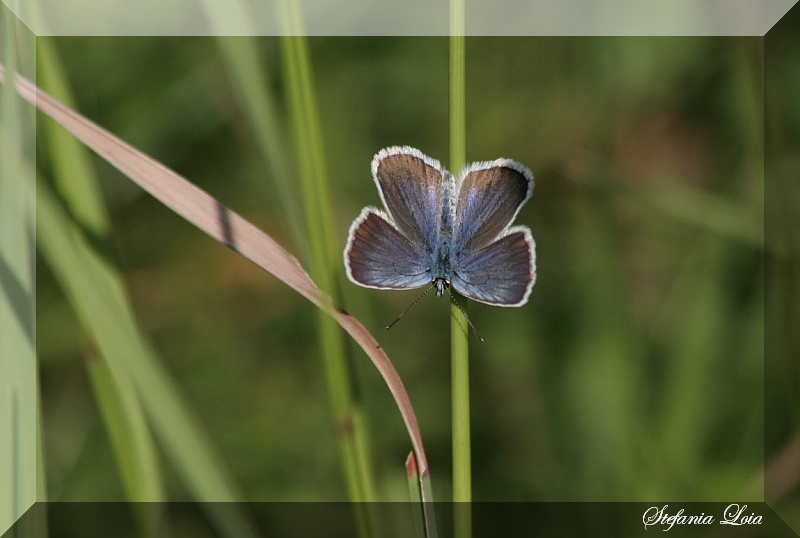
{"points": [[633, 373], [126, 377], [325, 265], [781, 360], [18, 391]]}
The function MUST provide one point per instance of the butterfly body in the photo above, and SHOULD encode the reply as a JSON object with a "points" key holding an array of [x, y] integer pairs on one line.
{"points": [[442, 231], [441, 284]]}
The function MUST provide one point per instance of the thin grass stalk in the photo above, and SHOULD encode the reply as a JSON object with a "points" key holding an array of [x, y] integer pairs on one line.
{"points": [[325, 264], [41, 474], [131, 442], [18, 395], [73, 174], [121, 410], [693, 371], [459, 332], [337, 372], [412, 474], [250, 78], [97, 295], [251, 82], [40, 523], [213, 218]]}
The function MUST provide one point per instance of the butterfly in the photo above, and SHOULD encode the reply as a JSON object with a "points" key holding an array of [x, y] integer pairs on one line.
{"points": [[441, 231]]}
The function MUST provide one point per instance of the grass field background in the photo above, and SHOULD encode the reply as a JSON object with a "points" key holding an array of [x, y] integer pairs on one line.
{"points": [[634, 373]]}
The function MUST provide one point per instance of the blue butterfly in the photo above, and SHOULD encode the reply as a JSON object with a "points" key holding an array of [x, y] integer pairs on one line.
{"points": [[444, 232]]}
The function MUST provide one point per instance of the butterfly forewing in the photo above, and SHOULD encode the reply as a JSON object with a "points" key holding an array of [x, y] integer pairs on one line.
{"points": [[489, 196], [491, 262], [411, 187], [379, 256]]}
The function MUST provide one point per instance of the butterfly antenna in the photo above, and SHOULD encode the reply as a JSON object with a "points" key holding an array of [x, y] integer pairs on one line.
{"points": [[409, 307], [471, 326]]}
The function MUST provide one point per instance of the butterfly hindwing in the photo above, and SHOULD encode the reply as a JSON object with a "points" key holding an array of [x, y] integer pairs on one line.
{"points": [[500, 274], [379, 256]]}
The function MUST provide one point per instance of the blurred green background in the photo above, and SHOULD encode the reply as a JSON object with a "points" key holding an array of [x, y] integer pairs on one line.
{"points": [[635, 372]]}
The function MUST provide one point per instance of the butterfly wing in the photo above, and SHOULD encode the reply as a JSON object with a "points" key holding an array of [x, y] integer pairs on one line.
{"points": [[379, 256], [415, 190], [490, 194], [396, 250], [500, 274], [491, 262]]}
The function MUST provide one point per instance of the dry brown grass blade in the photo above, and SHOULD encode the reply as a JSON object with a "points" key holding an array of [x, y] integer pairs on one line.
{"points": [[205, 212]]}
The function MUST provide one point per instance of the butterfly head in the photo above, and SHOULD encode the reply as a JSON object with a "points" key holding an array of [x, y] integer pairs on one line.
{"points": [[441, 284]]}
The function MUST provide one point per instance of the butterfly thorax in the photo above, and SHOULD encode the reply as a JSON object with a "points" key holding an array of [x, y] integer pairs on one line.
{"points": [[441, 267]]}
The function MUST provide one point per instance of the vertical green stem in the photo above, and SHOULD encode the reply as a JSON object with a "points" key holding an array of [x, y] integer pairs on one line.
{"points": [[459, 332], [121, 409], [412, 473], [251, 81], [17, 286], [325, 264], [458, 152]]}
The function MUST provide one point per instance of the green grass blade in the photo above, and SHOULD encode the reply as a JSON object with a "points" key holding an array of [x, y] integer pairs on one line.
{"points": [[700, 285], [97, 295], [419, 487], [249, 76], [121, 410], [712, 212], [40, 523], [412, 473], [131, 441], [18, 394], [459, 332], [120, 406], [41, 475], [458, 107], [126, 428], [229, 17], [427, 505], [325, 263], [693, 206], [73, 173], [227, 227]]}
